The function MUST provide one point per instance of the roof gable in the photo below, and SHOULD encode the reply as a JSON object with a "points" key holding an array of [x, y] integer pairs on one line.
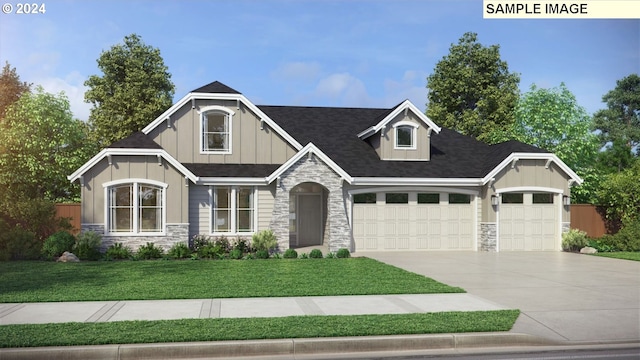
{"points": [[404, 106], [216, 87]]}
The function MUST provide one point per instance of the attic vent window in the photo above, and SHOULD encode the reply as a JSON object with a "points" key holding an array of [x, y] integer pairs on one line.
{"points": [[405, 137], [216, 130]]}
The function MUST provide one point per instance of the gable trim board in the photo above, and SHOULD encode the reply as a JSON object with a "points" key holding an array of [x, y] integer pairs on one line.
{"points": [[327, 147]]}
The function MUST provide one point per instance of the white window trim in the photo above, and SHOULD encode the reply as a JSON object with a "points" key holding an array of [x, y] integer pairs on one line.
{"points": [[229, 116], [233, 208], [414, 135], [135, 183]]}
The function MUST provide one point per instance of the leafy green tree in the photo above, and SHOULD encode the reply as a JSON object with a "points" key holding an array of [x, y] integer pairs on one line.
{"points": [[135, 88], [620, 194], [615, 157], [11, 88], [41, 145], [621, 120], [471, 89]]}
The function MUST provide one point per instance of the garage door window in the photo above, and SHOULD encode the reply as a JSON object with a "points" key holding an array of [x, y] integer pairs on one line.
{"points": [[368, 198], [512, 198], [459, 199], [397, 198], [428, 198], [542, 198]]}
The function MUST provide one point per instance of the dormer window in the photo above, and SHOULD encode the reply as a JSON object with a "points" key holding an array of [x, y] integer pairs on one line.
{"points": [[216, 129], [405, 135]]}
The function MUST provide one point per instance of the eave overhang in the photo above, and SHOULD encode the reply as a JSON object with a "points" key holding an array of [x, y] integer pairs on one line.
{"points": [[512, 159], [404, 106]]}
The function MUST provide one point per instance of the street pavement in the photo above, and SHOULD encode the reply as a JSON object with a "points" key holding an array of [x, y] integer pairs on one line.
{"points": [[565, 299]]}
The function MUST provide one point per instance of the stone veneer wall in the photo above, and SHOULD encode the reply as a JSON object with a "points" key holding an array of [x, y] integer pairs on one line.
{"points": [[176, 233], [488, 237], [312, 170]]}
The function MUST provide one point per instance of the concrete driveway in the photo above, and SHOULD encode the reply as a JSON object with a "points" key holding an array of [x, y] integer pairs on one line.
{"points": [[562, 296]]}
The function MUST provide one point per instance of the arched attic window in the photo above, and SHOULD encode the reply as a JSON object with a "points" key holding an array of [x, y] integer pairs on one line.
{"points": [[406, 134], [216, 128]]}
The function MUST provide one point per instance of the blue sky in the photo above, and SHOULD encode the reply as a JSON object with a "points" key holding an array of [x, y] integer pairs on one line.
{"points": [[321, 53]]}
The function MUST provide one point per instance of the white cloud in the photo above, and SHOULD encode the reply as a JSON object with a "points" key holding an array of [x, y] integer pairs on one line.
{"points": [[297, 71], [73, 87], [344, 86], [411, 86]]}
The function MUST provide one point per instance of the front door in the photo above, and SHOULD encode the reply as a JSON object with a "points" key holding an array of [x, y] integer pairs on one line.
{"points": [[309, 217]]}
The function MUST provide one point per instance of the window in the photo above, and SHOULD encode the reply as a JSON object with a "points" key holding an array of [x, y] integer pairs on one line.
{"points": [[429, 198], [216, 131], [368, 198], [397, 198], [512, 198], [135, 208], [233, 209], [404, 137], [542, 198], [459, 199]]}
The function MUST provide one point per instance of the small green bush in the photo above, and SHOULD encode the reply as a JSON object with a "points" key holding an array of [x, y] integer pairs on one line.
{"points": [[118, 251], [315, 254], [603, 244], [149, 251], [262, 254], [87, 246], [19, 244], [223, 243], [179, 251], [249, 257], [242, 245], [264, 240], [304, 256], [574, 240], [57, 244], [330, 255], [236, 254], [628, 238], [290, 254], [343, 253], [211, 251], [199, 241]]}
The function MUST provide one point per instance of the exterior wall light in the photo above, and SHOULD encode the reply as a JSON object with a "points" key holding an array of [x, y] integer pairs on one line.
{"points": [[566, 200], [495, 200]]}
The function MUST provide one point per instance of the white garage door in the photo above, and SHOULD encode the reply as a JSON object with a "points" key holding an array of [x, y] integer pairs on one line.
{"points": [[429, 221], [528, 222]]}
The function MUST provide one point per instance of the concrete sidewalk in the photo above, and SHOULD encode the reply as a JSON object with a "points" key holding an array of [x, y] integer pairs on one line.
{"points": [[103, 311]]}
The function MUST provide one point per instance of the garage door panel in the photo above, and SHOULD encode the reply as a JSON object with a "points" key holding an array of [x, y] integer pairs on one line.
{"points": [[527, 227]]}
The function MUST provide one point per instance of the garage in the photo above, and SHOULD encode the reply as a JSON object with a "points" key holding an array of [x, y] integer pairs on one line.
{"points": [[404, 221], [529, 221]]}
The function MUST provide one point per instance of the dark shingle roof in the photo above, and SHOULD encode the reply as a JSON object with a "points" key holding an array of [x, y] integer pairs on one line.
{"points": [[137, 140], [231, 170], [499, 152], [334, 131], [216, 87]]}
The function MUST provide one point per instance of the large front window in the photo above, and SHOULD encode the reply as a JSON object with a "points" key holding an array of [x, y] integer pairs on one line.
{"points": [[233, 209], [215, 131], [135, 208]]}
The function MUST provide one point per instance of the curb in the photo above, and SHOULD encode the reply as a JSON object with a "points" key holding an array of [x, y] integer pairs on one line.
{"points": [[280, 348]]}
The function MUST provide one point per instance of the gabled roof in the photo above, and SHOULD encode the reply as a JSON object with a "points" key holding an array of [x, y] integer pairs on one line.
{"points": [[137, 140], [216, 87], [404, 106]]}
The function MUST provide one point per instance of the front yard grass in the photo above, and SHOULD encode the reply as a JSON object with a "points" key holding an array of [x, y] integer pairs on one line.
{"points": [[626, 255], [204, 279], [129, 332]]}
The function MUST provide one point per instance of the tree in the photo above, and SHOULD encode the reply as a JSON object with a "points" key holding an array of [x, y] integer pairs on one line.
{"points": [[471, 89], [135, 89], [620, 194], [41, 145], [621, 120], [11, 88]]}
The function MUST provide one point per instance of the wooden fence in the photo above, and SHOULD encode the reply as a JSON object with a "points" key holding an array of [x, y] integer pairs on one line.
{"points": [[588, 218], [71, 211]]}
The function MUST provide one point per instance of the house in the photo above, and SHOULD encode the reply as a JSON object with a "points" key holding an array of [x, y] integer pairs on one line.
{"points": [[366, 179]]}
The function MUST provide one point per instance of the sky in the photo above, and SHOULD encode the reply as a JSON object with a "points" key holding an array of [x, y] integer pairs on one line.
{"points": [[347, 53]]}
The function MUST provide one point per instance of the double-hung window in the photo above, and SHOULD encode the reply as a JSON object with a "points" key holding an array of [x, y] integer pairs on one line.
{"points": [[233, 209], [216, 127], [135, 207]]}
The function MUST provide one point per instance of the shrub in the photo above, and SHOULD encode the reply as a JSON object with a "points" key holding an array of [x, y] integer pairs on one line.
{"points": [[149, 251], [290, 254], [249, 257], [315, 254], [277, 255], [118, 251], [628, 238], [19, 244], [262, 254], [343, 253], [330, 255], [211, 251], [57, 244], [223, 243], [236, 254], [199, 241], [242, 245], [179, 251], [574, 240], [264, 240], [604, 244], [304, 256], [87, 246]]}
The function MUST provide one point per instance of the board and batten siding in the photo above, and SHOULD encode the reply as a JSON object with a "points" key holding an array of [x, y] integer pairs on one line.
{"points": [[200, 208], [133, 167], [384, 145], [249, 144]]}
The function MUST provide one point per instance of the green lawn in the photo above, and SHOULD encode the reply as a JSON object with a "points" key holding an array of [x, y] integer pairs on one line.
{"points": [[202, 279], [129, 332], [626, 255]]}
